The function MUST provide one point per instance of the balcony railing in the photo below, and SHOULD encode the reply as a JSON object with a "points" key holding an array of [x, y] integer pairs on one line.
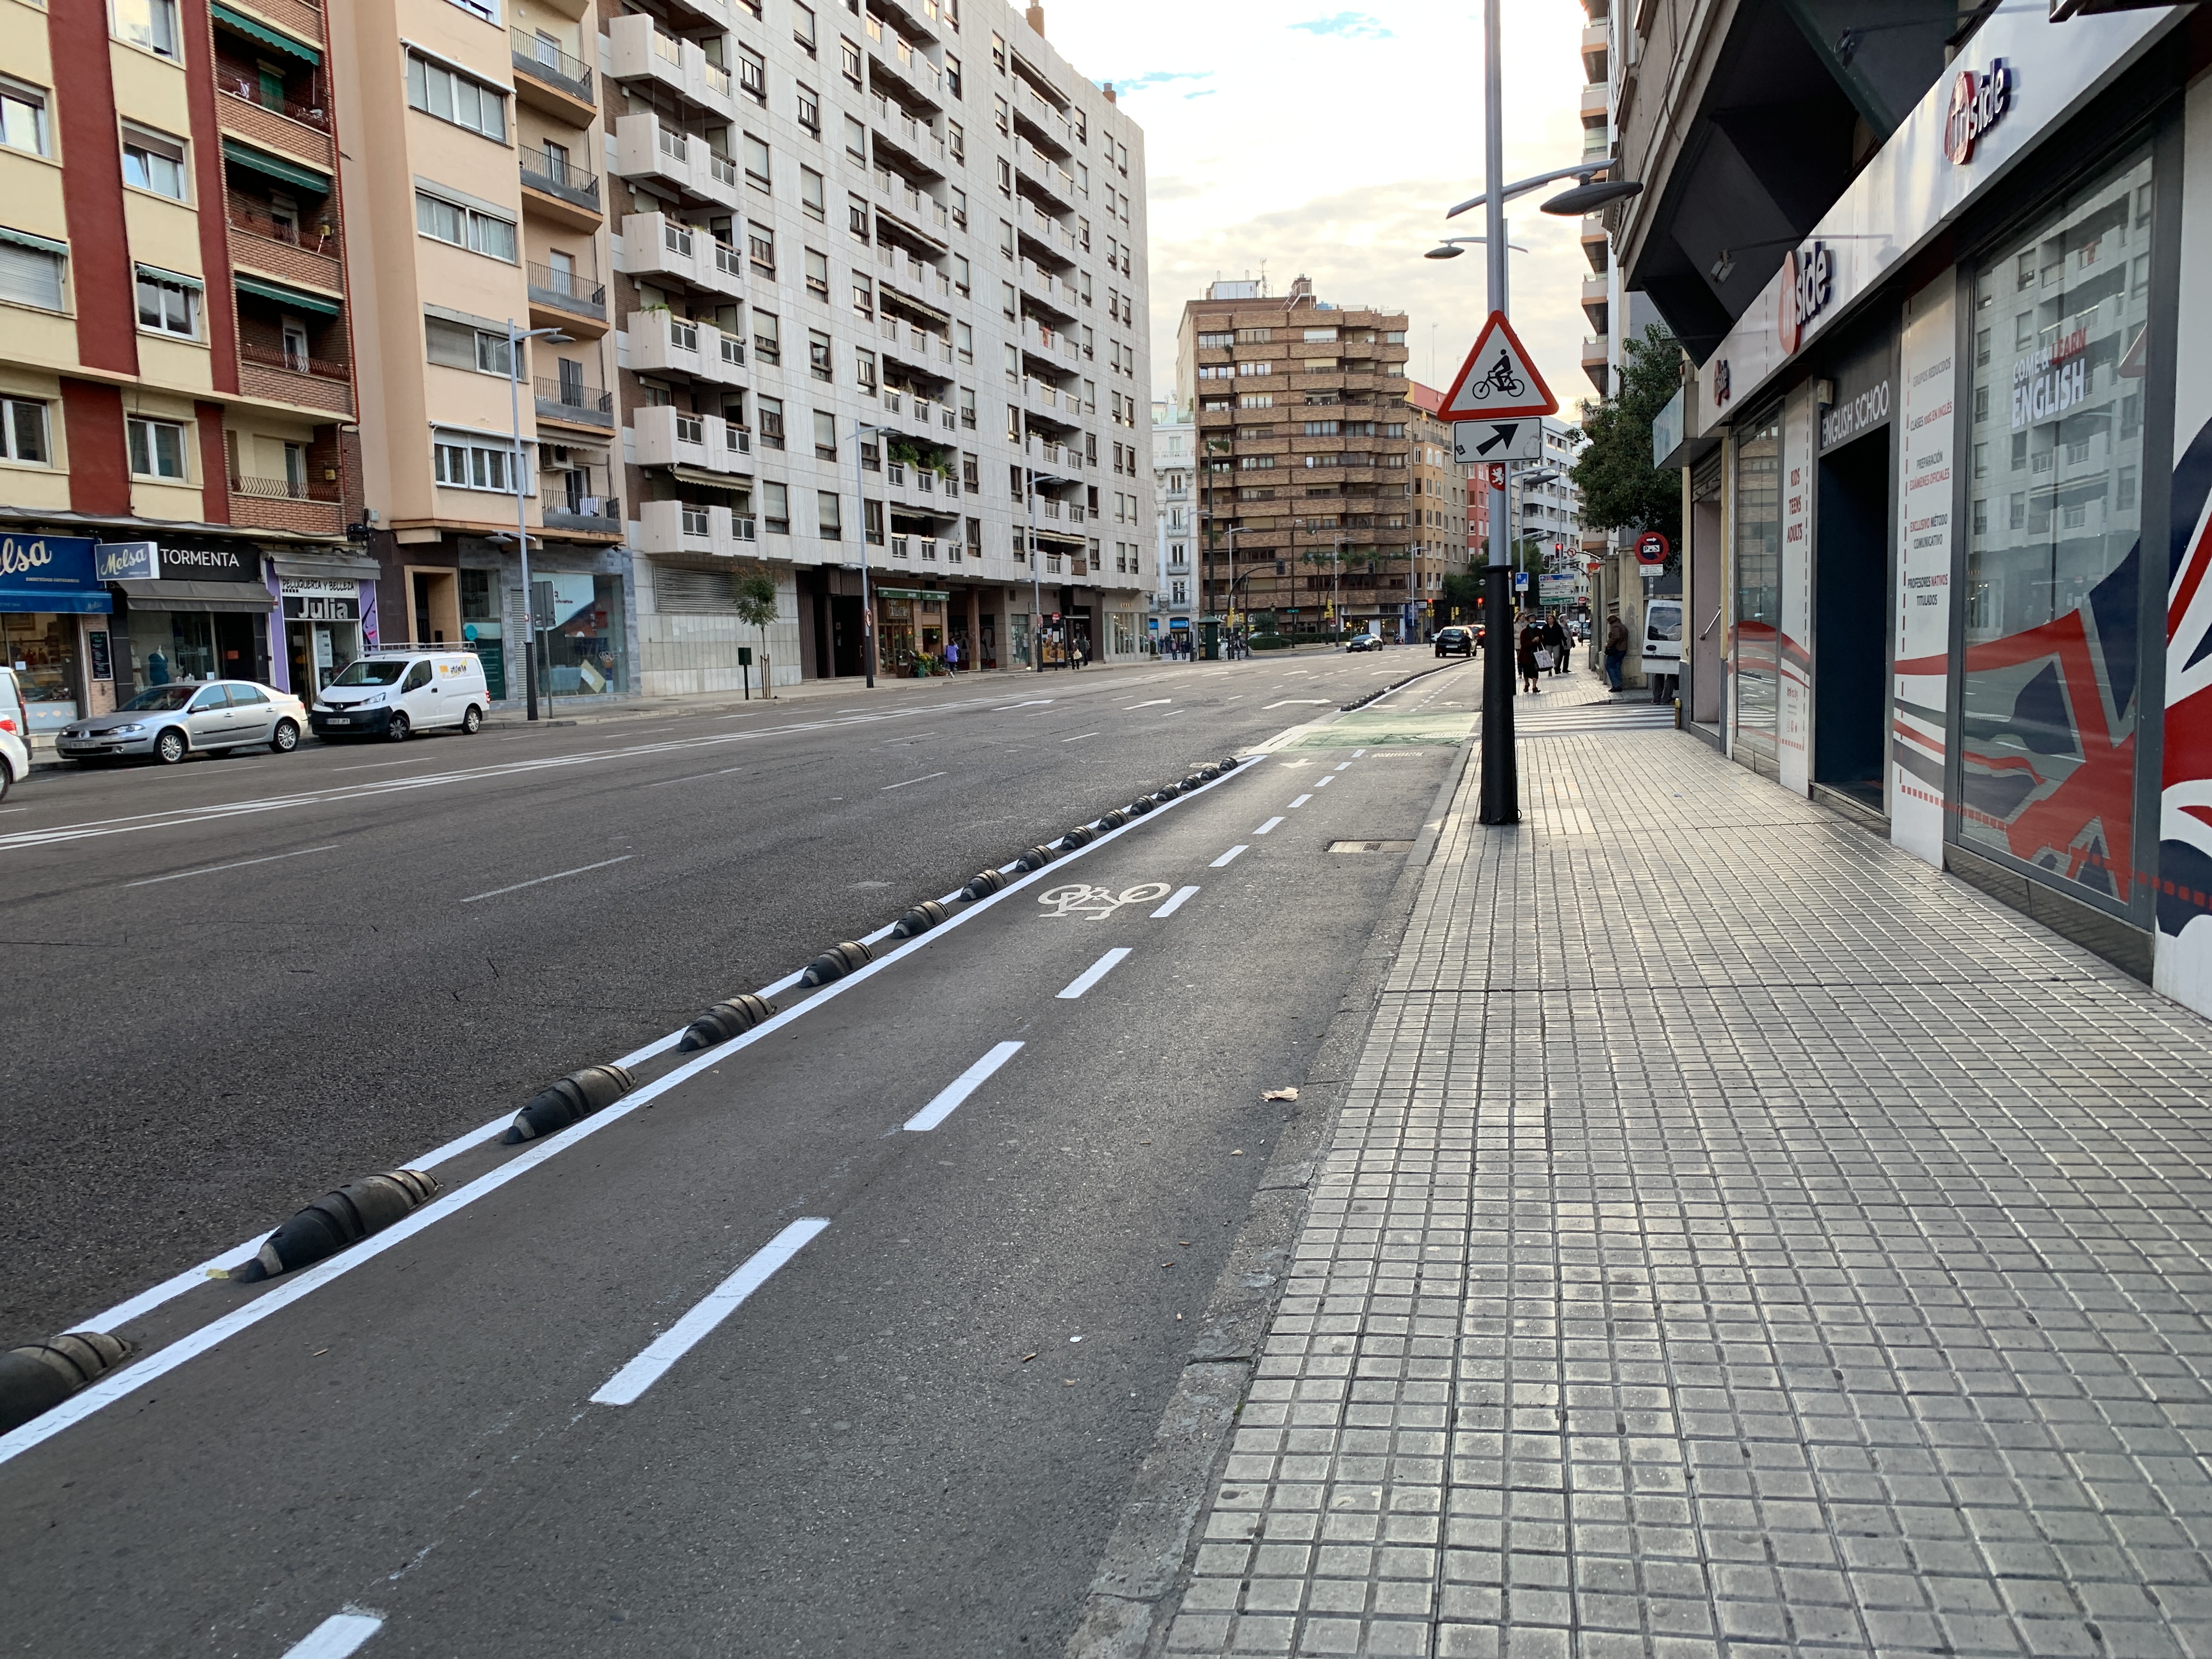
{"points": [[280, 489], [322, 239], [312, 115], [556, 177], [567, 400], [566, 291], [322, 368], [599, 512], [541, 60]]}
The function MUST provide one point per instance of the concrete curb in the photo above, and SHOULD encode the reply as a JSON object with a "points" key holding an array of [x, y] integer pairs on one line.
{"points": [[1148, 1558]]}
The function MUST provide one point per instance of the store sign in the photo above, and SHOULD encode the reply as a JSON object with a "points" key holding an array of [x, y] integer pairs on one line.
{"points": [[1723, 387], [32, 562], [1805, 295], [1978, 102], [219, 564], [126, 561], [1861, 393]]}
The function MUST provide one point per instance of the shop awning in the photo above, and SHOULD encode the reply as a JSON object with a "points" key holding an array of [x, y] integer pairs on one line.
{"points": [[336, 567], [284, 294], [253, 29], [73, 601], [704, 479], [228, 597], [273, 166]]}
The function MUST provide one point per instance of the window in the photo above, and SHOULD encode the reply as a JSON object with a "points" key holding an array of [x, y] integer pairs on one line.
{"points": [[1216, 341], [23, 431], [157, 448], [863, 297], [154, 162], [864, 370], [470, 228], [771, 422], [809, 110], [1003, 116], [756, 165], [436, 90], [817, 356], [23, 116], [768, 338], [31, 269], [818, 275], [1005, 178], [956, 140], [960, 208], [760, 247], [848, 60], [775, 509], [825, 435], [856, 216], [963, 341], [999, 53], [968, 409], [830, 515], [856, 141], [952, 75], [459, 346], [168, 303], [811, 196], [149, 23], [469, 464], [485, 10], [1008, 305], [752, 75], [802, 26], [871, 522]]}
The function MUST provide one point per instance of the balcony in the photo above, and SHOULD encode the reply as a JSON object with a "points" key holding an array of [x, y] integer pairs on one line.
{"points": [[1041, 123], [1046, 233], [283, 504], [637, 50], [926, 414], [282, 377], [592, 515], [553, 189], [574, 404], [912, 78], [913, 141], [648, 150], [562, 298], [281, 250], [658, 246], [716, 12], [911, 344], [1044, 179], [661, 343], [685, 528], [917, 207], [293, 130], [663, 436], [550, 81]]}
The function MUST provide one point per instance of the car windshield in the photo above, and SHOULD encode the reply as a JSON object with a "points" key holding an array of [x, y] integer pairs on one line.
{"points": [[160, 699], [363, 671]]}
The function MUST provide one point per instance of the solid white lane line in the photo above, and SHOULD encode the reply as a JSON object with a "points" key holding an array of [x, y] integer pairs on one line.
{"points": [[961, 1087], [1227, 856], [1268, 825], [1167, 910], [209, 869], [687, 1332], [340, 1634], [1096, 971], [539, 880], [1154, 703], [1080, 737], [1291, 703], [1030, 702], [1301, 800], [924, 778]]}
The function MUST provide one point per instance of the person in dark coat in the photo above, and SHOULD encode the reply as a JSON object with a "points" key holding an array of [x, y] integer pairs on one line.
{"points": [[1531, 637]]}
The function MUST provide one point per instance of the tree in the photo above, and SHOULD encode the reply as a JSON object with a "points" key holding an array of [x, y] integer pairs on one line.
{"points": [[755, 597], [1620, 488]]}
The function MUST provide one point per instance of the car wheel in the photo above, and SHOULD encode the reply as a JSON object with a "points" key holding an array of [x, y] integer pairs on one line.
{"points": [[286, 738], [472, 722], [398, 730], [170, 747]]}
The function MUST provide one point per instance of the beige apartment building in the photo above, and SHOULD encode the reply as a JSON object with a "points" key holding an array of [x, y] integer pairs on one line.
{"points": [[1313, 493]]}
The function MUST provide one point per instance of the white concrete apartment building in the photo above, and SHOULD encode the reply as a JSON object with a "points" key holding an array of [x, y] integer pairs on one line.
{"points": [[1174, 474], [879, 279], [1550, 517]]}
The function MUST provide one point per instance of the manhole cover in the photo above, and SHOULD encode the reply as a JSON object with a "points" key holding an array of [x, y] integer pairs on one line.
{"points": [[1370, 847]]}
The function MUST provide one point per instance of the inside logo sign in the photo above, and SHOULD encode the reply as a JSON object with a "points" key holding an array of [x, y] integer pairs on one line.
{"points": [[1807, 294], [1978, 103]]}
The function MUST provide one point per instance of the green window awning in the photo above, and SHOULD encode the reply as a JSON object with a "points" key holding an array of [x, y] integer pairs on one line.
{"points": [[284, 294], [254, 29], [24, 239], [272, 167]]}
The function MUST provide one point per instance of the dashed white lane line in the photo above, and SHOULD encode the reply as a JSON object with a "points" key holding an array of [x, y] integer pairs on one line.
{"points": [[209, 869], [687, 1332], [1228, 857], [1167, 910], [694, 777], [1268, 825], [1096, 971], [1155, 703], [961, 1087], [1346, 765], [1301, 800], [924, 778], [340, 1634], [1323, 783], [1356, 753], [1080, 737], [539, 880]]}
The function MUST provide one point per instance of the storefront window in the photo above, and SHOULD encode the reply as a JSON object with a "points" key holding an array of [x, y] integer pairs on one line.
{"points": [[584, 648], [2053, 560], [41, 647], [170, 645], [1755, 666]]}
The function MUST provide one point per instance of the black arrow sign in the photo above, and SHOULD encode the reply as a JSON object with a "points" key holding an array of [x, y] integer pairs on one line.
{"points": [[1498, 435]]}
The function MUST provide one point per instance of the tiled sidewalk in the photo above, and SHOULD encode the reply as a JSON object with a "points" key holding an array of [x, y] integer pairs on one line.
{"points": [[1738, 1239]]}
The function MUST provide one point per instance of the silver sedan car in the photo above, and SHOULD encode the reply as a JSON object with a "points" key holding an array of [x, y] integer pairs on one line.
{"points": [[169, 722]]}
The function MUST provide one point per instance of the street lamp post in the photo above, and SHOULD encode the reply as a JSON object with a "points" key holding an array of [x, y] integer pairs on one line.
{"points": [[867, 600], [514, 338]]}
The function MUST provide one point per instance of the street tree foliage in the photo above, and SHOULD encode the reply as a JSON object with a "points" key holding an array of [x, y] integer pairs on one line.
{"points": [[755, 603], [1620, 488]]}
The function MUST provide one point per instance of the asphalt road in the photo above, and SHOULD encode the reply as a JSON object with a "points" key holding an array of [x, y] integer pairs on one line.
{"points": [[240, 982], [916, 1434]]}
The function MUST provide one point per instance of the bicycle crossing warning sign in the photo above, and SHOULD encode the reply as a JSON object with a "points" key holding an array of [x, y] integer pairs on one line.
{"points": [[1498, 379]]}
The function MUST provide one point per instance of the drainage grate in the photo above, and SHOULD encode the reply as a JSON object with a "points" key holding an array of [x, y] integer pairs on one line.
{"points": [[1370, 847]]}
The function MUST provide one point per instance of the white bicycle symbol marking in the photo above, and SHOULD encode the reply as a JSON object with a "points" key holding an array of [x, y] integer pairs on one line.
{"points": [[1080, 899]]}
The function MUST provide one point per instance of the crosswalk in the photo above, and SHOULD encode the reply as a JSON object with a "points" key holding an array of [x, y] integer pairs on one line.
{"points": [[1532, 718]]}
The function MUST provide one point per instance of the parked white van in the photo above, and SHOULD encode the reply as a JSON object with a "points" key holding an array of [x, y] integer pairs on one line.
{"points": [[390, 693]]}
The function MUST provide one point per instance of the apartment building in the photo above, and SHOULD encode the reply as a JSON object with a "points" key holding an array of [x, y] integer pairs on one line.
{"points": [[1551, 526], [1439, 511], [176, 370], [879, 274], [1175, 472], [475, 217], [1306, 497]]}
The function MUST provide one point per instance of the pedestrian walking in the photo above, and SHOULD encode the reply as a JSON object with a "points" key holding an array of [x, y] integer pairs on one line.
{"points": [[1616, 648], [1531, 643], [952, 656]]}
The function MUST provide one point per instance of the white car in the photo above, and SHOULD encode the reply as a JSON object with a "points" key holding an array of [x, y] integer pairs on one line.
{"points": [[187, 717], [15, 732]]}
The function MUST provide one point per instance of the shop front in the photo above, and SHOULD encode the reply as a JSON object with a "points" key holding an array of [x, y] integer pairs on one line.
{"points": [[191, 612], [328, 609], [55, 631], [910, 629]]}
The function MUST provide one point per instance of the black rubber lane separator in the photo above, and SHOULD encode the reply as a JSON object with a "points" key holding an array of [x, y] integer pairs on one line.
{"points": [[835, 963], [575, 1096], [1036, 858], [1082, 835], [920, 920], [986, 882], [339, 1218], [38, 1377], [724, 1021]]}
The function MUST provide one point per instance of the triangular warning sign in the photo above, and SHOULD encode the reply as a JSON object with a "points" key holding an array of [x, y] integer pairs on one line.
{"points": [[1498, 379]]}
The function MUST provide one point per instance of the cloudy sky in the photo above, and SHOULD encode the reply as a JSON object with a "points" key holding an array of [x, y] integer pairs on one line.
{"points": [[1302, 138]]}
